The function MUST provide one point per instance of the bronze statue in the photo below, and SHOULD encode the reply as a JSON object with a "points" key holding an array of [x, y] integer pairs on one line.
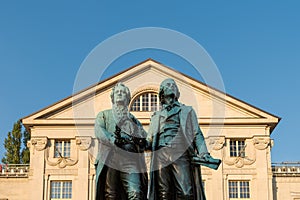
{"points": [[120, 164], [178, 147]]}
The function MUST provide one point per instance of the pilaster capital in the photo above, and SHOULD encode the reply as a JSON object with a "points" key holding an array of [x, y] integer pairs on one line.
{"points": [[216, 142], [261, 142], [83, 142], [39, 143]]}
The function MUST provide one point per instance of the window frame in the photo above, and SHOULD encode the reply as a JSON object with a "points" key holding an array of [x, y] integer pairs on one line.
{"points": [[238, 149], [239, 191], [145, 102], [65, 150], [63, 192]]}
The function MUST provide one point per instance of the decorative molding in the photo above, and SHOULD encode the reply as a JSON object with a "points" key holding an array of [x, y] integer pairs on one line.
{"points": [[240, 161], [62, 162], [83, 142], [143, 89], [92, 158], [216, 142], [67, 172], [267, 130], [261, 143], [229, 172], [93, 151], [39, 143]]}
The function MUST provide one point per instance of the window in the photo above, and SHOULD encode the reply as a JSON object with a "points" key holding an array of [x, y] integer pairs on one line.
{"points": [[61, 190], [154, 102], [233, 189], [62, 148], [237, 148], [239, 189], [136, 104], [244, 189], [145, 102]]}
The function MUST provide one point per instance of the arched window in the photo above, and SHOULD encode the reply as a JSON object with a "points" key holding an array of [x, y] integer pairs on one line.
{"points": [[145, 102]]}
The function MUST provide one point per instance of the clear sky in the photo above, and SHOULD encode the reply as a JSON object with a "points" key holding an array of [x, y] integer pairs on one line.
{"points": [[255, 45]]}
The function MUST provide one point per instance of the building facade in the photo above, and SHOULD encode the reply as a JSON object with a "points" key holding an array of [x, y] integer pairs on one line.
{"points": [[63, 146]]}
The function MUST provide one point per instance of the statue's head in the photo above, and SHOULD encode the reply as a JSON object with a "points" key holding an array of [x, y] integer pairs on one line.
{"points": [[168, 88], [120, 94]]}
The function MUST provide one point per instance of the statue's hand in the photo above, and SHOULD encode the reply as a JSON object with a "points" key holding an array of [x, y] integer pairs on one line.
{"points": [[126, 145], [119, 141], [206, 156], [207, 160], [141, 142], [123, 139]]}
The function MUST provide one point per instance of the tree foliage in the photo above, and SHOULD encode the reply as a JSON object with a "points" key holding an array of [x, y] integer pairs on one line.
{"points": [[25, 154], [15, 153]]}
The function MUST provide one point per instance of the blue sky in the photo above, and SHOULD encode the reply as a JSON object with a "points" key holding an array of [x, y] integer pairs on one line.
{"points": [[255, 44]]}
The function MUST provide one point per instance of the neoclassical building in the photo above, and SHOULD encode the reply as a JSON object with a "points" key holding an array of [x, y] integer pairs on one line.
{"points": [[63, 146]]}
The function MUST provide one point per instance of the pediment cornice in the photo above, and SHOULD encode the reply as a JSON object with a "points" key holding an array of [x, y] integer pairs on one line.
{"points": [[50, 115]]}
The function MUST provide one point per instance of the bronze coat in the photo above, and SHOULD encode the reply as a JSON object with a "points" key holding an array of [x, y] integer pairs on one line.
{"points": [[104, 131], [191, 130]]}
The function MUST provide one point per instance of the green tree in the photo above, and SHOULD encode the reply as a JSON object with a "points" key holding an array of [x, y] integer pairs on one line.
{"points": [[15, 154], [12, 144], [25, 154]]}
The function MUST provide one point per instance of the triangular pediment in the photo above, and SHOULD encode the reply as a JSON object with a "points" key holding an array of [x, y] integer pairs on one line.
{"points": [[208, 103]]}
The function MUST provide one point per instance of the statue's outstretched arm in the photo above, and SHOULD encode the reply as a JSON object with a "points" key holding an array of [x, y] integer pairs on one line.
{"points": [[199, 138]]}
